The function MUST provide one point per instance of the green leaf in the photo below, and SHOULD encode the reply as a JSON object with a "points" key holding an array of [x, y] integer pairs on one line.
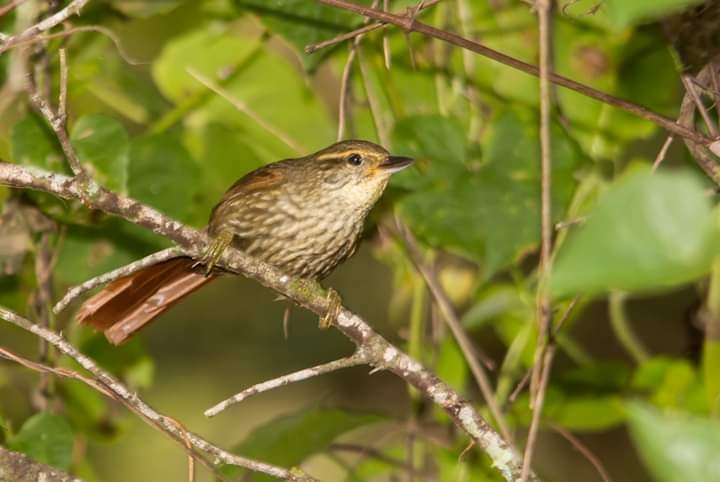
{"points": [[301, 22], [490, 211], [588, 413], [46, 438], [676, 447], [267, 83], [163, 175], [648, 231], [102, 142], [625, 12], [671, 383], [32, 143], [290, 439]]}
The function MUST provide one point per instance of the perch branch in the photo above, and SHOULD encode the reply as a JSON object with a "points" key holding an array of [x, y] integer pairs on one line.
{"points": [[380, 353]]}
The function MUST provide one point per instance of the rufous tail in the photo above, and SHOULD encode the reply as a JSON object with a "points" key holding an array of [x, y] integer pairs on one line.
{"points": [[131, 302]]}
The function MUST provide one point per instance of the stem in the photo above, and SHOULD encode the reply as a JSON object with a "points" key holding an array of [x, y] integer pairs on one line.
{"points": [[623, 331]]}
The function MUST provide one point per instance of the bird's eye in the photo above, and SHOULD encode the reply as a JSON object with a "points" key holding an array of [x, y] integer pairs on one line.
{"points": [[355, 159]]}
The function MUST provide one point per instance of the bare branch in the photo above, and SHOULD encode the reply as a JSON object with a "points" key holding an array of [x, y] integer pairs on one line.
{"points": [[470, 352], [543, 350], [585, 451], [357, 359], [154, 258], [72, 8], [410, 24], [380, 353], [17, 466], [133, 401], [312, 48]]}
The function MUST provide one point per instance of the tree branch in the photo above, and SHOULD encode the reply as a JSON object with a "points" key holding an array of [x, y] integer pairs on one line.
{"points": [[409, 24], [17, 466], [72, 8], [380, 353], [135, 403]]}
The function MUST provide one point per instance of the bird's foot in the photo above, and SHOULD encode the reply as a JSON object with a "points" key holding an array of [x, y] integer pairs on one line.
{"points": [[334, 306], [214, 251]]}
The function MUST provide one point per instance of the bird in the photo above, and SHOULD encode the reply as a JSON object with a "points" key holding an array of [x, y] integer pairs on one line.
{"points": [[304, 216]]}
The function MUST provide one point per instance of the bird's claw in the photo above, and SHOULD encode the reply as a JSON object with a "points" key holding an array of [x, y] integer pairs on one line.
{"points": [[214, 251], [334, 305]]}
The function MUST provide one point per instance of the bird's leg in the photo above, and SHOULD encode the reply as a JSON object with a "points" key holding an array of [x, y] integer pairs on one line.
{"points": [[334, 306], [215, 250]]}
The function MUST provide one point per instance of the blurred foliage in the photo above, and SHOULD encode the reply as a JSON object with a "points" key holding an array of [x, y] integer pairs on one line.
{"points": [[145, 125]]}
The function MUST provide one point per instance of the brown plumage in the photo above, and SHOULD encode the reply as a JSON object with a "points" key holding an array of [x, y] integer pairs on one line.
{"points": [[304, 216]]}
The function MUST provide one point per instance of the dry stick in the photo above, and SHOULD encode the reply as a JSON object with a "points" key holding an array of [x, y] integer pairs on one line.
{"points": [[585, 451], [543, 353], [690, 89], [463, 340], [380, 353], [663, 152], [72, 8], [354, 360], [58, 120], [409, 24], [312, 48], [344, 91], [9, 6], [245, 109], [373, 102], [123, 394], [687, 119], [135, 266]]}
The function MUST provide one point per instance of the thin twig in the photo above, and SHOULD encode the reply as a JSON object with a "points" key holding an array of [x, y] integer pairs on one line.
{"points": [[130, 399], [375, 454], [380, 352], [345, 87], [690, 88], [470, 352], [585, 451], [663, 152], [155, 258], [546, 364], [386, 40], [409, 24], [373, 101], [62, 96], [10, 6], [312, 48], [72, 8], [356, 359], [245, 109]]}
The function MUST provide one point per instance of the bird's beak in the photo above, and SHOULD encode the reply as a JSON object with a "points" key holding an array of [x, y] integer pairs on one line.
{"points": [[395, 163]]}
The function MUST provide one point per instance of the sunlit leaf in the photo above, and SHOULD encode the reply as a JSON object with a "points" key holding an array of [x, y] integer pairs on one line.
{"points": [[46, 438], [648, 231], [676, 447]]}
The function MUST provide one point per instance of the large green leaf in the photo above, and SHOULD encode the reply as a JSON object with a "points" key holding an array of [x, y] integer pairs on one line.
{"points": [[488, 211], [271, 88], [676, 447], [290, 439], [32, 143], [302, 22], [102, 143], [648, 231], [625, 12], [163, 175], [46, 438]]}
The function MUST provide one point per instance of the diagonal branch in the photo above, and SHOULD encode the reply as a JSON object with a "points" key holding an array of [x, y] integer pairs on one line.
{"points": [[124, 395], [380, 353], [409, 24], [72, 8]]}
